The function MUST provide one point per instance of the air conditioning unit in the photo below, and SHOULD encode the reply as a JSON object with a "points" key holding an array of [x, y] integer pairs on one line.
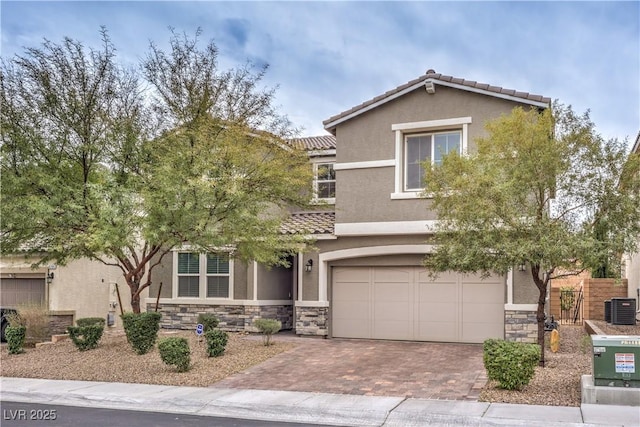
{"points": [[607, 311], [623, 311]]}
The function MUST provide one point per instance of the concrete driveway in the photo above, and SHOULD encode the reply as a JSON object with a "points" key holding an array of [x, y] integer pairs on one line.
{"points": [[371, 368]]}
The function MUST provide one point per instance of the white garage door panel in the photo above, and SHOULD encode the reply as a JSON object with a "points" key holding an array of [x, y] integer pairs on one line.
{"points": [[437, 331], [406, 304], [351, 308]]}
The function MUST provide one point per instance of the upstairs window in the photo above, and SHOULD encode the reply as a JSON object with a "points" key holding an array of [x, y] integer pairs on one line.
{"points": [[203, 275], [429, 147], [325, 182]]}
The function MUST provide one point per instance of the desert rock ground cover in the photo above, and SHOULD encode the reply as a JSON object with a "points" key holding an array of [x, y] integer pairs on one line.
{"points": [[115, 361], [558, 383]]}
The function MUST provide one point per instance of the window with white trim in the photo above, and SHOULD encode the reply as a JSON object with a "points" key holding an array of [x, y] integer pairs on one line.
{"points": [[203, 275], [426, 147], [324, 182], [417, 142]]}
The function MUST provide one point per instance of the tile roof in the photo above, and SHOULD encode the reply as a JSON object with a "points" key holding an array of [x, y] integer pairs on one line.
{"points": [[636, 146], [446, 81], [323, 142], [309, 223]]}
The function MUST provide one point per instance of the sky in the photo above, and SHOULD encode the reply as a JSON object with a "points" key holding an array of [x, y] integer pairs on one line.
{"points": [[326, 57]]}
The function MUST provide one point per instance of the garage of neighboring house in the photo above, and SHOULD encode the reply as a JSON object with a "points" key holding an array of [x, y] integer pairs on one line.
{"points": [[18, 291], [404, 303]]}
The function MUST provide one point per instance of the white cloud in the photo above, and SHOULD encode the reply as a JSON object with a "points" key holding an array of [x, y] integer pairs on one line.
{"points": [[329, 56]]}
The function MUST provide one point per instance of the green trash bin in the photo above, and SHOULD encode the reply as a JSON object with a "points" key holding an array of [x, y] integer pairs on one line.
{"points": [[616, 360]]}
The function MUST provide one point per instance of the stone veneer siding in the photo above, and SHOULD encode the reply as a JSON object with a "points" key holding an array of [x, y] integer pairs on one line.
{"points": [[312, 321], [520, 326], [233, 318]]}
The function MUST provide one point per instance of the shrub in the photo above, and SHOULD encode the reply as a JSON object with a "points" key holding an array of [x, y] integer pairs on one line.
{"points": [[15, 336], [267, 327], [35, 317], [216, 342], [208, 320], [141, 330], [88, 321], [175, 351], [86, 337], [512, 364]]}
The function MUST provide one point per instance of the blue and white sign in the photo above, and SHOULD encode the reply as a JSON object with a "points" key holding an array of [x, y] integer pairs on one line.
{"points": [[199, 328]]}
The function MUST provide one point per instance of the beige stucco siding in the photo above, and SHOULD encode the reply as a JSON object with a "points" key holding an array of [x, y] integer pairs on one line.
{"points": [[161, 274], [364, 195], [310, 282], [632, 273], [274, 283], [525, 290], [83, 287]]}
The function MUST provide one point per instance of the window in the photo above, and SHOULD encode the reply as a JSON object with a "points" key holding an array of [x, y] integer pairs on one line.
{"points": [[325, 181], [217, 276], [200, 275], [417, 142], [426, 147]]}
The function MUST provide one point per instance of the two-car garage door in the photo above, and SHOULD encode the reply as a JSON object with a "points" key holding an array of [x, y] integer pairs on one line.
{"points": [[404, 303]]}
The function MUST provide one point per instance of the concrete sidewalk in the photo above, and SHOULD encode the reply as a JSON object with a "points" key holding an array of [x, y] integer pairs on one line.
{"points": [[302, 407]]}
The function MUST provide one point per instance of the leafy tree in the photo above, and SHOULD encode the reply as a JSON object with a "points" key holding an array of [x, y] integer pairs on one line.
{"points": [[542, 188], [121, 166]]}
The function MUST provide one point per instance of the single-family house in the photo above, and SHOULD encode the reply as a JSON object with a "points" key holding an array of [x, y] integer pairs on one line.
{"points": [[363, 277], [81, 288]]}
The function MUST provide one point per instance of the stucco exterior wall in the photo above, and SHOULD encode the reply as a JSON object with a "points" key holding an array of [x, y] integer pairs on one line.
{"points": [[632, 274], [275, 283], [369, 137], [525, 290], [82, 287]]}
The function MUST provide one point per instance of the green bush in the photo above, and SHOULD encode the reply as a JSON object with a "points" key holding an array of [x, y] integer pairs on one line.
{"points": [[15, 336], [267, 327], [175, 351], [85, 337], [88, 321], [216, 342], [141, 330], [512, 364], [208, 320]]}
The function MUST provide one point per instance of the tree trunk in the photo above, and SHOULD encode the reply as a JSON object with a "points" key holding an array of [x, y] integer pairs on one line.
{"points": [[135, 302], [134, 285], [542, 295]]}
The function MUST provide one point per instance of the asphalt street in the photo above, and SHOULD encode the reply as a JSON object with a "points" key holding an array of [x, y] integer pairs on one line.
{"points": [[16, 414]]}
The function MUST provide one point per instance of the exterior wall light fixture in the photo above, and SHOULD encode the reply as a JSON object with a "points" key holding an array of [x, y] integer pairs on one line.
{"points": [[308, 266]]}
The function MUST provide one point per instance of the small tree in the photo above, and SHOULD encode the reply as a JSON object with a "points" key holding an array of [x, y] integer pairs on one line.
{"points": [[542, 188], [267, 328], [97, 164]]}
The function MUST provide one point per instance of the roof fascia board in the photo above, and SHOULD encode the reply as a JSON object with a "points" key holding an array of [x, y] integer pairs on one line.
{"points": [[636, 146], [411, 88], [490, 93], [317, 153], [374, 105]]}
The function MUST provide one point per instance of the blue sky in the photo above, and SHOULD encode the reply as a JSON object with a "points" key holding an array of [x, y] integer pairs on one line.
{"points": [[327, 57]]}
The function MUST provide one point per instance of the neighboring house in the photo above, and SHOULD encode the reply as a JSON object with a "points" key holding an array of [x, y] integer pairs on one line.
{"points": [[364, 278], [632, 261], [83, 288]]}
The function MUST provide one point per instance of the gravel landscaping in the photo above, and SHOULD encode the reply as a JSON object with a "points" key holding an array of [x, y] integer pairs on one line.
{"points": [[558, 383], [115, 361]]}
